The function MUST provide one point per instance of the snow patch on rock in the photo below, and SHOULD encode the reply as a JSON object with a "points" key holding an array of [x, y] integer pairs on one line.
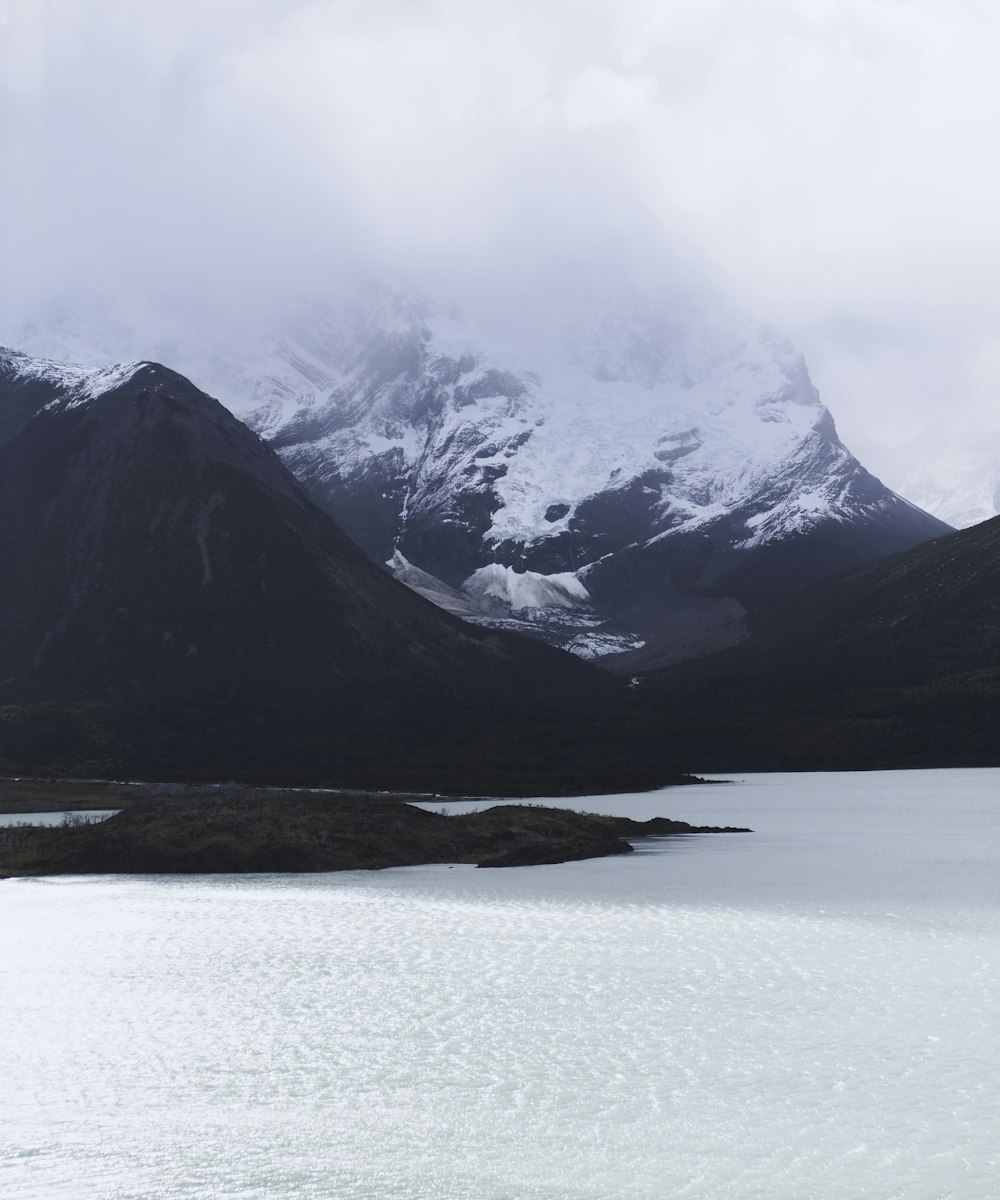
{"points": [[82, 383], [430, 587], [495, 585]]}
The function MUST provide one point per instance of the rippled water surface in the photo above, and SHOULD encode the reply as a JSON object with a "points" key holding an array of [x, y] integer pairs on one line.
{"points": [[809, 1012]]}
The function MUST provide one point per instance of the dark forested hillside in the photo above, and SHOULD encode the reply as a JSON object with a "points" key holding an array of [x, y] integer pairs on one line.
{"points": [[896, 665]]}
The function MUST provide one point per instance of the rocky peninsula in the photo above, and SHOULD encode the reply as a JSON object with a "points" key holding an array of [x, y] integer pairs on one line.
{"points": [[246, 832]]}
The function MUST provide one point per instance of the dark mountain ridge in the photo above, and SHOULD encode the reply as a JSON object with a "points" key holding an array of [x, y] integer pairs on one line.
{"points": [[897, 665], [154, 543], [173, 604]]}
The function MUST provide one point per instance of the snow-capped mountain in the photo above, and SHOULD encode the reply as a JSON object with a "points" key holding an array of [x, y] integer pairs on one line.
{"points": [[622, 483], [153, 544], [637, 472], [484, 454]]}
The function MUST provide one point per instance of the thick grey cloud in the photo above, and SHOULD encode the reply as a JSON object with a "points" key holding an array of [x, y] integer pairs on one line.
{"points": [[828, 163]]}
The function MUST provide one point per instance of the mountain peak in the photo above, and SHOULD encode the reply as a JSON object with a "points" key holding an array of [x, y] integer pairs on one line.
{"points": [[75, 384], [629, 423]]}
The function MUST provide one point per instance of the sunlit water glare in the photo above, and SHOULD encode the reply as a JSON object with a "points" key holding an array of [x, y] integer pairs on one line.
{"points": [[804, 1013]]}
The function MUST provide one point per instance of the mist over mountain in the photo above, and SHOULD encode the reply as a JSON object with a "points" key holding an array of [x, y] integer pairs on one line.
{"points": [[819, 165], [598, 224], [951, 472]]}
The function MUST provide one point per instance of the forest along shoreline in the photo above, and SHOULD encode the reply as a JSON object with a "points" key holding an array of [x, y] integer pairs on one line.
{"points": [[250, 830]]}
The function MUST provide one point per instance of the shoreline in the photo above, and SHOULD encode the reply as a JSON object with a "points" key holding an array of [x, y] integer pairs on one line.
{"points": [[23, 794]]}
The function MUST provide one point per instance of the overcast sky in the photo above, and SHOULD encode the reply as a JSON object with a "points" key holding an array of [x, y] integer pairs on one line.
{"points": [[831, 164]]}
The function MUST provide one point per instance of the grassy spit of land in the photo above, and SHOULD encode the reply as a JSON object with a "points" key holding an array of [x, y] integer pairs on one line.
{"points": [[256, 830], [28, 795]]}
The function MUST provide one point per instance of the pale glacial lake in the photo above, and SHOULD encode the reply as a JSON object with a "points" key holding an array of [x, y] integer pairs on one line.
{"points": [[811, 1012]]}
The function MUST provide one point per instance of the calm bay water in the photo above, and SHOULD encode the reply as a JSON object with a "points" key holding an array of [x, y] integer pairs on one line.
{"points": [[804, 1013]]}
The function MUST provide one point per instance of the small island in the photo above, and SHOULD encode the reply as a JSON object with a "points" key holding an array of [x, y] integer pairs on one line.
{"points": [[247, 832]]}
